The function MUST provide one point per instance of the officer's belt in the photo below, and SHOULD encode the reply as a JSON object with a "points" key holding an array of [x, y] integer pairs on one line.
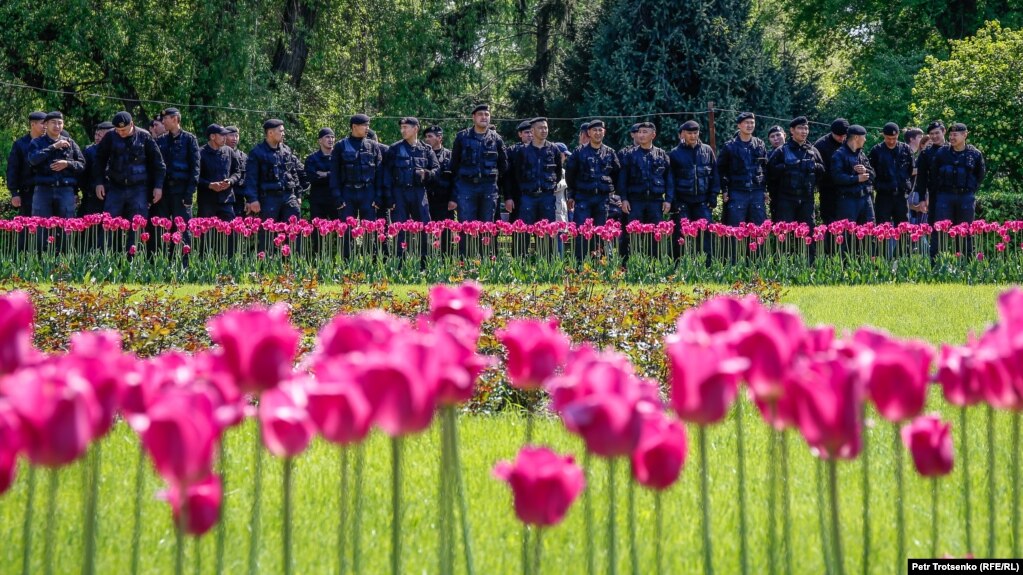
{"points": [[55, 187], [356, 186], [955, 191], [478, 179], [593, 192], [646, 196], [538, 193]]}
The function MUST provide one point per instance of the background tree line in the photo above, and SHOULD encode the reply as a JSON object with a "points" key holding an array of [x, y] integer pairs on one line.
{"points": [[315, 62]]}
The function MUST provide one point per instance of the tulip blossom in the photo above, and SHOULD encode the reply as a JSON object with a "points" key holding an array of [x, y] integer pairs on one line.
{"points": [[179, 431], [829, 405], [10, 444], [660, 454], [15, 331], [960, 376], [536, 349], [200, 503], [400, 386], [462, 301], [929, 440], [98, 357], [284, 420], [704, 379], [544, 484], [258, 346], [897, 374]]}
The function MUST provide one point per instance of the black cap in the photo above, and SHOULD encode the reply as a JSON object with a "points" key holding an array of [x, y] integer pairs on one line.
{"points": [[171, 112], [272, 124], [215, 129], [537, 120], [121, 119], [840, 127], [435, 129], [689, 126], [744, 116], [37, 116], [774, 129], [649, 125], [54, 116], [799, 121], [523, 126], [104, 126], [358, 120], [408, 121], [634, 128], [324, 132], [585, 127], [594, 124], [230, 129], [481, 108], [935, 125], [857, 130], [890, 129], [958, 127]]}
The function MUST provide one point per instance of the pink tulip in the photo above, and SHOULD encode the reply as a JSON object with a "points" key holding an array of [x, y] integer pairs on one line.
{"points": [[544, 484], [704, 379], [201, 504], [15, 330], [897, 374], [98, 357], [716, 315], [536, 349], [339, 410], [258, 346], [10, 444], [770, 341], [929, 440], [462, 301], [285, 422], [179, 432], [958, 372], [366, 331], [829, 405], [660, 455], [401, 386]]}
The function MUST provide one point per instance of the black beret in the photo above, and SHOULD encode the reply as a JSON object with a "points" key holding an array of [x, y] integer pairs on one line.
{"points": [[890, 129], [121, 119], [409, 121], [54, 116], [689, 126], [435, 129], [215, 129], [537, 120], [272, 123], [585, 127], [594, 124], [171, 112], [324, 132], [799, 121], [481, 108], [634, 128], [231, 129], [774, 129], [105, 126], [935, 125], [857, 130], [958, 127], [840, 127], [744, 116], [358, 120], [649, 125], [37, 116]]}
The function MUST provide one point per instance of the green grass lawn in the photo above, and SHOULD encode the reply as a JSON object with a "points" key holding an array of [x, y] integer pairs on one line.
{"points": [[936, 313]]}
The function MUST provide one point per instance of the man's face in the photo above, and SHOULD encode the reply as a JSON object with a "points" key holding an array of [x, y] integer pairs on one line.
{"points": [[691, 137], [217, 140], [839, 138], [360, 130], [585, 137], [937, 136], [157, 129], [481, 119], [777, 139], [125, 131], [409, 132], [275, 135], [327, 142], [594, 136], [433, 140], [957, 139], [539, 131], [98, 135], [891, 141], [37, 128], [526, 136], [232, 139], [800, 133], [54, 127], [645, 136], [856, 142], [747, 126], [171, 123], [914, 142]]}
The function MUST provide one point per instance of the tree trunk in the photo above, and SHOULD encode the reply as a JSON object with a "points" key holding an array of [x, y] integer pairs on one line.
{"points": [[292, 49]]}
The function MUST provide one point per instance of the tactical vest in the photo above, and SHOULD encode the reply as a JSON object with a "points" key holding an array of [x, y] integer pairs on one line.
{"points": [[799, 176], [648, 177], [175, 155], [746, 173], [537, 170], [479, 156], [277, 170], [956, 171], [405, 165], [360, 164], [692, 179], [127, 165], [595, 170], [46, 177]]}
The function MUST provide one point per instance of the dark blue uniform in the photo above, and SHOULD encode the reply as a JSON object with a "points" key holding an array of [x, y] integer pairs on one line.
{"points": [[54, 193], [536, 172], [19, 174], [323, 203], [275, 177], [438, 190], [826, 146], [590, 175], [894, 168], [129, 169], [181, 155], [697, 185], [853, 198], [477, 162], [356, 176], [90, 203], [240, 197], [408, 169], [953, 179], [795, 171], [742, 167], [217, 165], [646, 181]]}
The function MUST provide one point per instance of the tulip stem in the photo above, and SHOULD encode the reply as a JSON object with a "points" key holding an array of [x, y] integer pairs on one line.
{"points": [[1015, 483], [51, 521], [658, 530], [463, 501], [26, 537], [343, 520], [934, 517], [612, 537], [772, 504], [708, 563], [537, 550], [395, 505], [360, 459], [91, 517], [786, 501], [289, 464], [991, 493], [633, 543], [445, 505], [591, 566], [136, 534], [836, 540], [257, 495], [529, 425], [821, 517], [900, 505], [741, 472], [197, 556], [222, 524], [967, 501], [865, 462], [179, 533]]}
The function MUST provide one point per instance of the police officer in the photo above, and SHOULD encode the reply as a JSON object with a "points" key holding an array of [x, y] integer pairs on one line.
{"points": [[241, 202], [19, 171], [694, 169], [892, 160], [536, 171], [180, 151], [478, 160], [274, 176], [584, 134], [356, 171], [57, 162], [156, 128], [591, 173], [509, 189], [129, 169], [853, 177], [438, 190], [795, 170], [322, 201], [90, 203], [936, 135], [645, 182], [826, 146], [742, 166], [775, 137], [409, 166], [955, 173], [219, 173]]}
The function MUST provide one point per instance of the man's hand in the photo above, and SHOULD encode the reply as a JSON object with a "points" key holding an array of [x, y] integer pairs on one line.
{"points": [[59, 165], [509, 206], [626, 208], [61, 145], [252, 207], [863, 177], [452, 206], [724, 197], [16, 201], [100, 191], [157, 194], [570, 204], [665, 207], [323, 174]]}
